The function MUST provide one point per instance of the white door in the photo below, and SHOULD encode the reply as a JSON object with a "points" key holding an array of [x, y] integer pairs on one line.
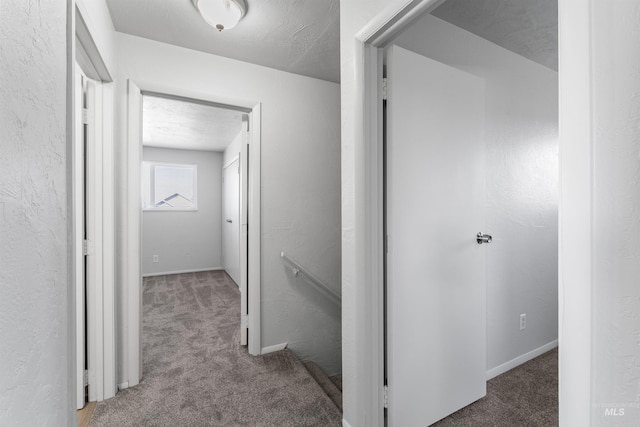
{"points": [[94, 243], [436, 327], [244, 233], [79, 232], [133, 264], [89, 244], [231, 218]]}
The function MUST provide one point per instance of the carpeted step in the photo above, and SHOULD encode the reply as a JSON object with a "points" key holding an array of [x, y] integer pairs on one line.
{"points": [[337, 380], [327, 384]]}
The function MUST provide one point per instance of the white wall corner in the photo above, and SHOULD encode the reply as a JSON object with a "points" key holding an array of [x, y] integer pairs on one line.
{"points": [[575, 211]]}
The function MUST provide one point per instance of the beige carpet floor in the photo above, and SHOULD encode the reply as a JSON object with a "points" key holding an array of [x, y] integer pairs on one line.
{"points": [[197, 374], [526, 396]]}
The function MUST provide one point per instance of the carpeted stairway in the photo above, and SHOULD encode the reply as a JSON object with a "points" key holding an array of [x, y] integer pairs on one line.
{"points": [[196, 374], [331, 386]]}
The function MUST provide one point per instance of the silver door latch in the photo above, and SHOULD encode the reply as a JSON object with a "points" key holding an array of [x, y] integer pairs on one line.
{"points": [[483, 238]]}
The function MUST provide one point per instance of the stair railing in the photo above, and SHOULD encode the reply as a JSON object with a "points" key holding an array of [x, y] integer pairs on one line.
{"points": [[297, 269]]}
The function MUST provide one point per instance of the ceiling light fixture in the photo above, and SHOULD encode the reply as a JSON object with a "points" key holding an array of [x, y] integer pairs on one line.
{"points": [[221, 14]]}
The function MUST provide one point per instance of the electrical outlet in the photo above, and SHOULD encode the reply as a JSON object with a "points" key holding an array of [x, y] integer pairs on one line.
{"points": [[523, 322], [155, 258]]}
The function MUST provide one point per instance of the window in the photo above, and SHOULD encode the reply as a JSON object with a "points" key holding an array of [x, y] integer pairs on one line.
{"points": [[169, 187]]}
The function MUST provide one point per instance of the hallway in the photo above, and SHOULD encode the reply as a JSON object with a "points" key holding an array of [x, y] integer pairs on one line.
{"points": [[196, 374]]}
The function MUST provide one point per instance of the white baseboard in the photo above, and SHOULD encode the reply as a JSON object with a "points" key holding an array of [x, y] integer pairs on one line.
{"points": [[492, 373], [272, 348], [345, 423], [197, 270], [123, 386]]}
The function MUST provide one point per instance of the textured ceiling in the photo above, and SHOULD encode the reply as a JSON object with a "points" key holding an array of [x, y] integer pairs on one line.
{"points": [[172, 123], [298, 36], [302, 37], [526, 27]]}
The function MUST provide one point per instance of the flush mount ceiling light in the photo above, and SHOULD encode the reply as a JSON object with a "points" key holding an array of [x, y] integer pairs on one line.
{"points": [[221, 14]]}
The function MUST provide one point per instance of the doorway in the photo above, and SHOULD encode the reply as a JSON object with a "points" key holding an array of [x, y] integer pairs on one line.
{"points": [[249, 154], [521, 138], [80, 233], [93, 220], [93, 261], [194, 203]]}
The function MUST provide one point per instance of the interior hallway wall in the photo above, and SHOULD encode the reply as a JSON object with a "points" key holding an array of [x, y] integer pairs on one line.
{"points": [[185, 240], [300, 182], [609, 148], [37, 328], [233, 150], [522, 185]]}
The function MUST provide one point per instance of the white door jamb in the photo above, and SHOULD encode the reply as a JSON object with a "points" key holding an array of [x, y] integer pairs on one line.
{"points": [[244, 230], [377, 34], [78, 234], [101, 224]]}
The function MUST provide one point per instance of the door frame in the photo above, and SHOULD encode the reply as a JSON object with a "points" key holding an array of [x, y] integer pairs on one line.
{"points": [[370, 42], [100, 321], [133, 270], [78, 219]]}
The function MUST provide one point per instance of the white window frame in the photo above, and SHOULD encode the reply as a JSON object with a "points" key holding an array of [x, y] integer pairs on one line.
{"points": [[148, 187]]}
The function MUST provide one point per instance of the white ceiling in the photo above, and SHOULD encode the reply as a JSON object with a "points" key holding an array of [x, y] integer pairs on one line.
{"points": [[180, 124], [526, 27], [302, 37], [298, 36]]}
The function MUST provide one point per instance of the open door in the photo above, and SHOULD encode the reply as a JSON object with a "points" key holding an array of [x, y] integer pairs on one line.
{"points": [[231, 224], [133, 265], [244, 232], [435, 186], [88, 225], [79, 234]]}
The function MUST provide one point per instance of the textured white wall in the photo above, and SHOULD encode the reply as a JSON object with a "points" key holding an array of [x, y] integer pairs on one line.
{"points": [[300, 181], [233, 150], [522, 184], [36, 361], [600, 240], [575, 213], [189, 240]]}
